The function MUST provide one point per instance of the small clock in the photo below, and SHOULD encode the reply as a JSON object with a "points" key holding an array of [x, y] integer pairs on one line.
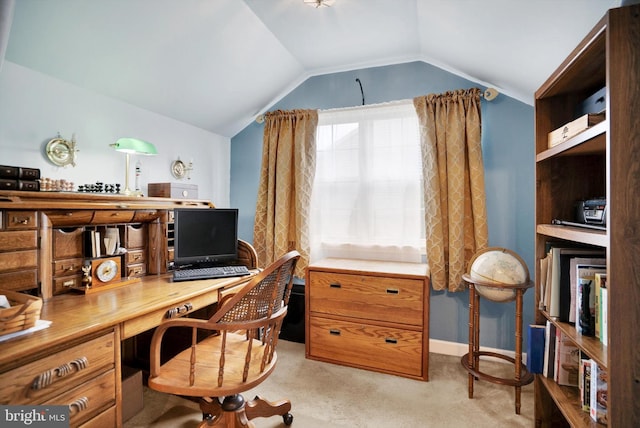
{"points": [[105, 271]]}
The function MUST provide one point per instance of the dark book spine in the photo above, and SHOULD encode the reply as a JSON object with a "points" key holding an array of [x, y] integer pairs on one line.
{"points": [[26, 185], [8, 171]]}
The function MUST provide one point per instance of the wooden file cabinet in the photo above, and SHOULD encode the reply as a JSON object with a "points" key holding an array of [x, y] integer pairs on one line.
{"points": [[369, 314]]}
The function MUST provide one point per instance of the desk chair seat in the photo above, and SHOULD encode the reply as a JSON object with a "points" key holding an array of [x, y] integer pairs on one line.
{"points": [[239, 355]]}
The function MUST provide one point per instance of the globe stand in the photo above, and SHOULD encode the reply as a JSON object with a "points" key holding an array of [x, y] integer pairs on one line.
{"points": [[471, 360]]}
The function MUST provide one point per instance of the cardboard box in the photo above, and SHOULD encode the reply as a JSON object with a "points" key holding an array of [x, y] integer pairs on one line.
{"points": [[132, 401], [174, 190], [574, 128]]}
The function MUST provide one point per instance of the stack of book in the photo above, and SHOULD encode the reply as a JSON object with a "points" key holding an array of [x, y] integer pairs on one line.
{"points": [[593, 390], [19, 178], [573, 289]]}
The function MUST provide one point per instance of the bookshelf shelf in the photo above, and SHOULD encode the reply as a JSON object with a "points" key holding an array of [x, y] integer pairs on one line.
{"points": [[591, 141], [601, 162], [576, 234], [567, 399]]}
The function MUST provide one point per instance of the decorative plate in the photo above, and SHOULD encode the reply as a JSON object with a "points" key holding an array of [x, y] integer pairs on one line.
{"points": [[61, 152], [178, 169]]}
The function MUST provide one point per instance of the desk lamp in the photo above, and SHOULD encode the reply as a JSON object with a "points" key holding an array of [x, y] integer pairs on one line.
{"points": [[136, 147]]}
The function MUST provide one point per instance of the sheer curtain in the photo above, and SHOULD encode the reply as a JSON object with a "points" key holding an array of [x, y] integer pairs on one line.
{"points": [[367, 195]]}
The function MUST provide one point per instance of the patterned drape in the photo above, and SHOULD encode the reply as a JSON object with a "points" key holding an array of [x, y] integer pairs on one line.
{"points": [[453, 174], [286, 179]]}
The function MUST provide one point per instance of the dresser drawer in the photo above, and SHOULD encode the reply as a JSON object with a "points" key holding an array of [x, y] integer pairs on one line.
{"points": [[18, 240], [40, 380], [386, 349], [90, 398], [398, 300]]}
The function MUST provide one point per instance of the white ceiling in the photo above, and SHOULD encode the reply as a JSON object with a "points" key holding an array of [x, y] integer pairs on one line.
{"points": [[216, 64]]}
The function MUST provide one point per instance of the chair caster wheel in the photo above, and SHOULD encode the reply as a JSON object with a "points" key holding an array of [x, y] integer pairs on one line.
{"points": [[287, 418]]}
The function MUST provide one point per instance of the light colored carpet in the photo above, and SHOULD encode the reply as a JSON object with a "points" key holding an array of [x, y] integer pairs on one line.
{"points": [[327, 395]]}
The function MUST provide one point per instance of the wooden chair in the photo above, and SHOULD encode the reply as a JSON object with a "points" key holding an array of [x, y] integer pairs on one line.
{"points": [[239, 356]]}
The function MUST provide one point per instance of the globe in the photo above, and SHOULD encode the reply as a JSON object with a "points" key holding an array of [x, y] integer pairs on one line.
{"points": [[498, 266]]}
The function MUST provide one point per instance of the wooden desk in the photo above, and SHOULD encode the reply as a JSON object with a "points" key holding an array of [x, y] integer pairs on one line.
{"points": [[76, 360]]}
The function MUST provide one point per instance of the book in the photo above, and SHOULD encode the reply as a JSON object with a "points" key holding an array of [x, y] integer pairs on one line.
{"points": [[24, 185], [567, 360], [535, 348], [585, 297], [584, 385], [17, 172], [600, 279], [560, 299], [604, 297], [544, 263], [573, 281], [598, 393], [549, 350]]}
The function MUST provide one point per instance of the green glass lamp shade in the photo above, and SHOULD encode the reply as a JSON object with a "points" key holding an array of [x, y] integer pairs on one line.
{"points": [[135, 146]]}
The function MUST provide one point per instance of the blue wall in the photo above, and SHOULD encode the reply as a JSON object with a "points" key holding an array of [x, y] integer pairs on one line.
{"points": [[508, 151]]}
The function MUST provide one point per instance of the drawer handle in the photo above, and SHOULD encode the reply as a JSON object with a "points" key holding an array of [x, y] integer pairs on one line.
{"points": [[393, 291], [391, 340], [21, 220], [81, 404], [334, 331], [69, 283], [137, 257], [68, 268], [335, 285], [179, 310], [47, 378]]}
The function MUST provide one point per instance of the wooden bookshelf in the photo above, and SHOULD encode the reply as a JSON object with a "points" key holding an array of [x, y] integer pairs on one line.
{"points": [[602, 161]]}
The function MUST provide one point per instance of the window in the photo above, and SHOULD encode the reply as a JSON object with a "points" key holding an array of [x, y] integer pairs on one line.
{"points": [[367, 195]]}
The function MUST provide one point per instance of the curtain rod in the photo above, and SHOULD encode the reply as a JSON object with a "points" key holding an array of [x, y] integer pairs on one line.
{"points": [[489, 94]]}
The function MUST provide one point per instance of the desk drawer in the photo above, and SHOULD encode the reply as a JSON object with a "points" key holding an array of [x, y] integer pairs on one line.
{"points": [[19, 281], [104, 419], [67, 267], [63, 284], [386, 349], [89, 398], [398, 300], [145, 322], [18, 240], [40, 380], [18, 260]]}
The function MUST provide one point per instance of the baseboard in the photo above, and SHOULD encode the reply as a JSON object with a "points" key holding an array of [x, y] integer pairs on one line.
{"points": [[459, 349]]}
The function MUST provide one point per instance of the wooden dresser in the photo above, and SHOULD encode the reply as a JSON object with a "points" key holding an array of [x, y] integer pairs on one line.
{"points": [[369, 314]]}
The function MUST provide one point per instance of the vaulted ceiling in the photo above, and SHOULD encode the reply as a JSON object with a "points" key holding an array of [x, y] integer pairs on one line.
{"points": [[216, 64]]}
